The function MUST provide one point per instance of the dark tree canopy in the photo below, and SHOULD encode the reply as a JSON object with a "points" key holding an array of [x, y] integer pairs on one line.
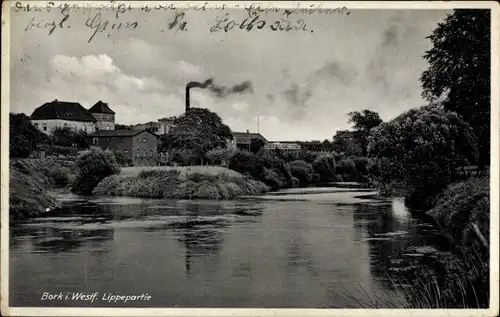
{"points": [[256, 144], [199, 130], [24, 136], [459, 71], [363, 122]]}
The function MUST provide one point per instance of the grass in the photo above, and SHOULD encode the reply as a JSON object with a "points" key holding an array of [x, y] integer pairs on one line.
{"points": [[211, 183], [29, 179], [184, 170]]}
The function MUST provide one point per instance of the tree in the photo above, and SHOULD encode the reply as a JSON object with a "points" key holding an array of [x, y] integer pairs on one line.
{"points": [[198, 130], [324, 166], [24, 136], [93, 166], [459, 70], [218, 156], [363, 122], [256, 144], [419, 151], [122, 127]]}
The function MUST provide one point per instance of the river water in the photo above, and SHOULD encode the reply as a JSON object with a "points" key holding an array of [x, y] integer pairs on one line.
{"points": [[295, 250]]}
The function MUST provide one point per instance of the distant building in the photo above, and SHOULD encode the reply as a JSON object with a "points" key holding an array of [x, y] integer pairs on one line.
{"points": [[283, 145], [242, 140], [60, 114], [104, 115], [139, 147], [160, 127]]}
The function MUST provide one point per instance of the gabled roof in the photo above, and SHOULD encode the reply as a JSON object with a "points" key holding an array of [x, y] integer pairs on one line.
{"points": [[248, 134], [101, 107], [118, 133], [72, 111]]}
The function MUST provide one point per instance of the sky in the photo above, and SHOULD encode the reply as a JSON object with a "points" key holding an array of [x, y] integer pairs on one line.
{"points": [[300, 84]]}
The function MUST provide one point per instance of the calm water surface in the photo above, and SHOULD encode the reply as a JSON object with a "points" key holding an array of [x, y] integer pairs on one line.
{"points": [[267, 254]]}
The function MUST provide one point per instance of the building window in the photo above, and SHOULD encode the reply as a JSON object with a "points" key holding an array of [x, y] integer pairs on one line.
{"points": [[73, 126], [84, 128], [36, 125], [109, 140], [137, 154], [144, 140], [65, 125], [95, 141], [97, 128], [107, 127], [45, 127], [126, 151]]}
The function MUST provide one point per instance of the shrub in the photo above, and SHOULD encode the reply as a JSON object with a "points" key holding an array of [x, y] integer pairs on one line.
{"points": [[60, 176], [307, 156], [218, 156], [272, 179], [93, 166], [324, 166], [302, 171]]}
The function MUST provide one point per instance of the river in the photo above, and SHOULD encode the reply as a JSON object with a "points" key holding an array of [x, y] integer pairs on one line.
{"points": [[314, 250]]}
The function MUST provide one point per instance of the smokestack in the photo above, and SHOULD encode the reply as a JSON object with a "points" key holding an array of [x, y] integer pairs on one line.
{"points": [[195, 84], [187, 98]]}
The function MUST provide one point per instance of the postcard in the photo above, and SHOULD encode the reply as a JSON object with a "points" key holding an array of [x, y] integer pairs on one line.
{"points": [[250, 158]]}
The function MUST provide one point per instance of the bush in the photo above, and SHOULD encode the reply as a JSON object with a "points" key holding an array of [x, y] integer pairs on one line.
{"points": [[324, 166], [302, 171], [60, 176], [272, 179], [93, 166], [218, 156], [463, 212]]}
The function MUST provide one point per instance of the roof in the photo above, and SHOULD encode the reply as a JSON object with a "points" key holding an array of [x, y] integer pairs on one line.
{"points": [[248, 134], [118, 133], [101, 107], [72, 111]]}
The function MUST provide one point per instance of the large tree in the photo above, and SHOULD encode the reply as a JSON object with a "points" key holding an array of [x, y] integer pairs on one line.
{"points": [[420, 151], [459, 70], [363, 122], [199, 130], [24, 136]]}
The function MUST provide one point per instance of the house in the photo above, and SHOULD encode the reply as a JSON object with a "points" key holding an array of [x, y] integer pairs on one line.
{"points": [[160, 127], [59, 114], [104, 115], [242, 140], [138, 147]]}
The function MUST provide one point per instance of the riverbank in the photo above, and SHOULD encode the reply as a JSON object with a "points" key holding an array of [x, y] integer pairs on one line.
{"points": [[29, 180], [180, 183]]}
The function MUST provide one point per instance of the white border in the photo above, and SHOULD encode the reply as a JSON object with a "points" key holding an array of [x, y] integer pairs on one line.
{"points": [[494, 191]]}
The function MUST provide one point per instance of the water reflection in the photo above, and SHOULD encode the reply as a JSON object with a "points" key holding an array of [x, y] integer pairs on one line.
{"points": [[396, 240], [217, 254]]}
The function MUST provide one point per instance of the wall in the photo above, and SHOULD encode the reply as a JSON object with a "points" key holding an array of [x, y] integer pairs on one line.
{"points": [[145, 149], [52, 124], [105, 121]]}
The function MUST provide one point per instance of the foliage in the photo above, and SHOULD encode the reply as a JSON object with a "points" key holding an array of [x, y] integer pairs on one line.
{"points": [[307, 156], [218, 156], [199, 131], [324, 166], [169, 184], [60, 175], [420, 150], [290, 156], [301, 170], [363, 122], [24, 136], [185, 157], [459, 70], [65, 136], [256, 144], [93, 166]]}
